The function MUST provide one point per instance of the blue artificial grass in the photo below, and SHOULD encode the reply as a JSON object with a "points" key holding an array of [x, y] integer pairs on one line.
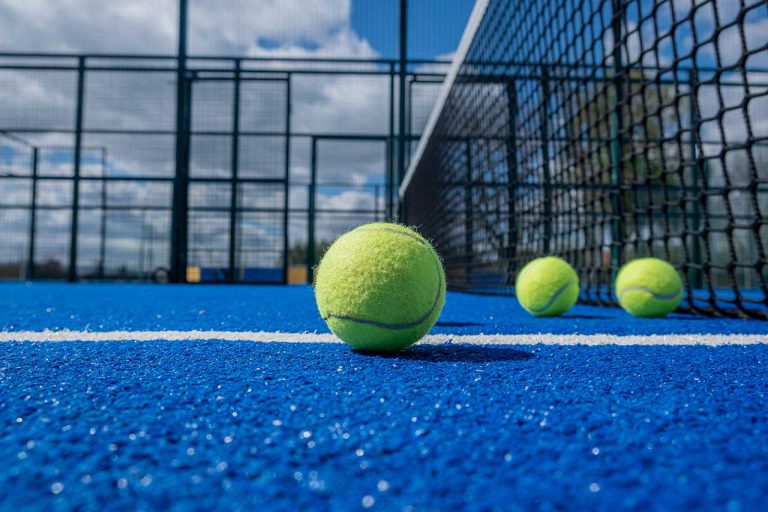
{"points": [[241, 426], [102, 307], [244, 426]]}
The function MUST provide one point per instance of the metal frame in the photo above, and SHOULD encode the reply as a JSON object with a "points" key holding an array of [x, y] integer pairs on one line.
{"points": [[312, 210], [188, 71]]}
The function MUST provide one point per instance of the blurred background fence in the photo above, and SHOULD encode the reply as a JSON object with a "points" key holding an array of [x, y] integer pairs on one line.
{"points": [[201, 167]]}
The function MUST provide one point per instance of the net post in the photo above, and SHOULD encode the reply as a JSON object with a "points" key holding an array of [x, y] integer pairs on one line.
{"points": [[617, 137], [30, 271], [72, 274], [235, 163]]}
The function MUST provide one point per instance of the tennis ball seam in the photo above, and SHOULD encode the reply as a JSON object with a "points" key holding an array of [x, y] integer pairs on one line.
{"points": [[408, 325], [555, 296], [657, 296]]}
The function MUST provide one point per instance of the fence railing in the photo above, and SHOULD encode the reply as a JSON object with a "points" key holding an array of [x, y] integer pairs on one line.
{"points": [[271, 154]]}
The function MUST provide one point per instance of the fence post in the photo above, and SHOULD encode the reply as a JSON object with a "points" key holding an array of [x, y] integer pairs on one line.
{"points": [[103, 220], [697, 175], [391, 187], [72, 274], [617, 138], [403, 70], [311, 213], [287, 185], [32, 218], [468, 213], [180, 181], [544, 128], [511, 150], [235, 157]]}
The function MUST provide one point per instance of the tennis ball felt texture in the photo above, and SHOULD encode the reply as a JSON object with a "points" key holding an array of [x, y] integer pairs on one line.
{"points": [[547, 286], [380, 287], [649, 287]]}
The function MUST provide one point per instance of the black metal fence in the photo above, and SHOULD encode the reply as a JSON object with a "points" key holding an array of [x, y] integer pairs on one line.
{"points": [[277, 156], [604, 131]]}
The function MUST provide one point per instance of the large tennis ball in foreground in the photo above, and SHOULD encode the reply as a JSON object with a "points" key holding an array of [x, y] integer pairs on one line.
{"points": [[380, 287], [649, 287], [547, 286]]}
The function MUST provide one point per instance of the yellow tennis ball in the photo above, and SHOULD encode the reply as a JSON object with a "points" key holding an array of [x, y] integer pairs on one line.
{"points": [[649, 287], [380, 287], [547, 286]]}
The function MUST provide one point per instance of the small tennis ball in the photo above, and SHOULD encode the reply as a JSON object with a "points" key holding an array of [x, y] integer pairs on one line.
{"points": [[380, 287], [547, 286], [649, 287]]}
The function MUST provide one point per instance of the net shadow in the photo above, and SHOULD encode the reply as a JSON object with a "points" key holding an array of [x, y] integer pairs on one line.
{"points": [[457, 354]]}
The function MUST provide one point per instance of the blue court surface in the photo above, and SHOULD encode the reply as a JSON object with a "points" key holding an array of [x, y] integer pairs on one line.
{"points": [[549, 414]]}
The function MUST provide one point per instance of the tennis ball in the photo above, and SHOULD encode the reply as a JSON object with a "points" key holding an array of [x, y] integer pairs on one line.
{"points": [[649, 287], [380, 287], [547, 286]]}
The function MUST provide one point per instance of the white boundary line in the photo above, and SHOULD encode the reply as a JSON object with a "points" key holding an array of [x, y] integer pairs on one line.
{"points": [[433, 339], [466, 40]]}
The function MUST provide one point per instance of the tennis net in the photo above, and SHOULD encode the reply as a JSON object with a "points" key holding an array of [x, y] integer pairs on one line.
{"points": [[601, 131]]}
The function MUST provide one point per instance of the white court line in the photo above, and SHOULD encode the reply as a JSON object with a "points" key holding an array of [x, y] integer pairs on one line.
{"points": [[433, 339]]}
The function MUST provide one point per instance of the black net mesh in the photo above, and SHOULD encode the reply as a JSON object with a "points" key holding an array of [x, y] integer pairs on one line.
{"points": [[602, 131]]}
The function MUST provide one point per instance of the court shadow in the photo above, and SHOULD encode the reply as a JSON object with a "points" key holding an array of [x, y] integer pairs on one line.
{"points": [[457, 324], [687, 317], [456, 354], [588, 317]]}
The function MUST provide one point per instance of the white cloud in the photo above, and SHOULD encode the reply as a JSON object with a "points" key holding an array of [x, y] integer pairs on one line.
{"points": [[265, 26], [89, 26], [215, 27]]}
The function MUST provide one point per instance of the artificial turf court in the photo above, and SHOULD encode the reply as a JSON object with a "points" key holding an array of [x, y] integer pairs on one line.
{"points": [[631, 413]]}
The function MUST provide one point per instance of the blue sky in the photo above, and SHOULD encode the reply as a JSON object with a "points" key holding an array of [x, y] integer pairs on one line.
{"points": [[435, 26]]}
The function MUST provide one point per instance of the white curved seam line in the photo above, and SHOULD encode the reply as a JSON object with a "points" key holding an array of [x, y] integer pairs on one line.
{"points": [[657, 296], [554, 297], [408, 325]]}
